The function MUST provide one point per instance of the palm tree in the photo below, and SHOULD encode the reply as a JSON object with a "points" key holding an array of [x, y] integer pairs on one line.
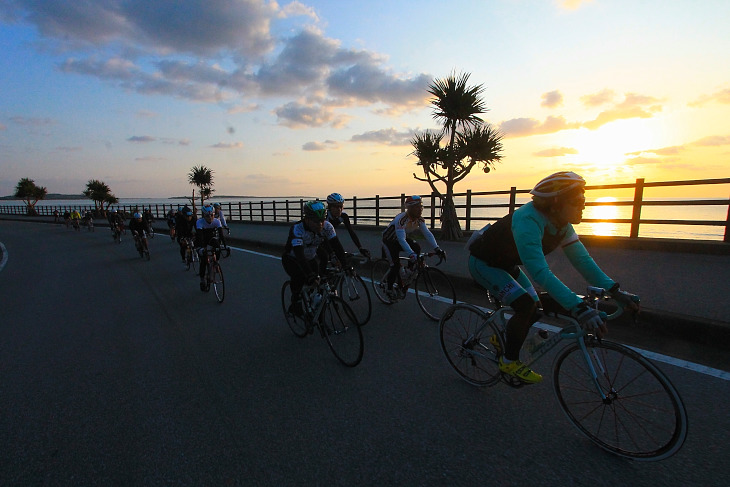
{"points": [[98, 192], [30, 193], [471, 141], [202, 177]]}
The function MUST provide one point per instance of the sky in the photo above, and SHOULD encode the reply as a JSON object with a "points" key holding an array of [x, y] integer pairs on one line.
{"points": [[320, 96]]}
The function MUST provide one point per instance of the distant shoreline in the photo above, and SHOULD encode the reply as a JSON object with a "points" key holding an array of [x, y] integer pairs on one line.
{"points": [[63, 197]]}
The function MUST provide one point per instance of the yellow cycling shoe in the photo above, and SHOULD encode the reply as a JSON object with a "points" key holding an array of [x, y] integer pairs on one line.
{"points": [[494, 341], [519, 370]]}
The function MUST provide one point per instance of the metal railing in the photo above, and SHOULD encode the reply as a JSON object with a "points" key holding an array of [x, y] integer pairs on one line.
{"points": [[380, 210]]}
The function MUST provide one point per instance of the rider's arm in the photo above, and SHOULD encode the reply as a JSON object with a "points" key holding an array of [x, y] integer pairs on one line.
{"points": [[427, 233], [400, 233], [348, 227], [222, 218], [528, 232], [581, 260]]}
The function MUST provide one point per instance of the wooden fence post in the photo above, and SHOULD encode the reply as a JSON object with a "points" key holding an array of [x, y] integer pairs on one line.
{"points": [[402, 202], [636, 213], [354, 210], [727, 225], [512, 199], [433, 209], [468, 210], [377, 210]]}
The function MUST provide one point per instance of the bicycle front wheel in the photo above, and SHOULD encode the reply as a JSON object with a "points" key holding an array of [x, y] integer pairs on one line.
{"points": [[642, 416], [379, 279], [465, 339], [355, 293], [434, 292], [295, 320], [216, 279], [342, 331]]}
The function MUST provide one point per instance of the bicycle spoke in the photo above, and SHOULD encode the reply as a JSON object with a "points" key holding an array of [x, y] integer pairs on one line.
{"points": [[342, 331], [434, 292]]}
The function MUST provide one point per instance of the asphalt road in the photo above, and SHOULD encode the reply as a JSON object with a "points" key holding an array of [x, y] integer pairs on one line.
{"points": [[117, 371]]}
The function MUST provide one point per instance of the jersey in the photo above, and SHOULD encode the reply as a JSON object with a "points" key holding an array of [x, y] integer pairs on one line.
{"points": [[205, 231], [402, 225], [525, 237], [301, 236]]}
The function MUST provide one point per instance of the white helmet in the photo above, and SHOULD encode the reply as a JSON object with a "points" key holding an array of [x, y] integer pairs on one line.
{"points": [[558, 184]]}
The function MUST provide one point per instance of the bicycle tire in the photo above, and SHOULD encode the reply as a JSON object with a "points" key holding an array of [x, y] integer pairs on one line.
{"points": [[355, 293], [342, 331], [379, 279], [219, 284], [434, 292], [465, 343], [643, 418], [297, 324]]}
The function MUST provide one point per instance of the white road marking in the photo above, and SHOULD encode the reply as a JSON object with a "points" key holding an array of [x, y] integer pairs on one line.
{"points": [[657, 357]]}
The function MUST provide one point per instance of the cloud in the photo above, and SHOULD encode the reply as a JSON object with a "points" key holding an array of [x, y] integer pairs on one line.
{"points": [[69, 149], [260, 178], [300, 115], [320, 146], [224, 145], [32, 121], [388, 136], [142, 138], [713, 141], [522, 127], [633, 106], [150, 159], [665, 151], [642, 161], [597, 99], [719, 97], [556, 152], [552, 99], [147, 114]]}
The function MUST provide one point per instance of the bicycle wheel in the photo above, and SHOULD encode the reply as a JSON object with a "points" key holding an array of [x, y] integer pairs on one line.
{"points": [[434, 292], [642, 417], [465, 332], [379, 279], [216, 279], [342, 331], [297, 323], [355, 293]]}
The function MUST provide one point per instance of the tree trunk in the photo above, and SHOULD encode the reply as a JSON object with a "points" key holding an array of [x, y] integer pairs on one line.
{"points": [[450, 228]]}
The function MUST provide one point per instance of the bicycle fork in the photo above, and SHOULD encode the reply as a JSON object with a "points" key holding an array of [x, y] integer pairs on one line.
{"points": [[591, 358]]}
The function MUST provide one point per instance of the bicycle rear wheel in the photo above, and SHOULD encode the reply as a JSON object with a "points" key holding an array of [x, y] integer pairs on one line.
{"points": [[342, 331], [296, 322], [434, 292], [465, 332], [379, 279], [216, 279], [355, 293], [642, 417]]}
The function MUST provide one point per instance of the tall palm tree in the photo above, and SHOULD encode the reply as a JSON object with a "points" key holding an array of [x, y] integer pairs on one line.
{"points": [[30, 193], [202, 177], [456, 106], [98, 192]]}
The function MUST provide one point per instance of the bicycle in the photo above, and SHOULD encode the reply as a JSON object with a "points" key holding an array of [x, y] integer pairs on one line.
{"points": [[76, 225], [321, 307], [90, 224], [116, 233], [428, 282], [612, 394], [214, 273], [352, 288], [191, 256], [140, 243]]}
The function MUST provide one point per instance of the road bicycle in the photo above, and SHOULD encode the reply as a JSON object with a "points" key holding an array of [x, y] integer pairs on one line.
{"points": [[116, 233], [89, 222], [612, 394], [191, 256], [140, 243], [320, 307], [214, 272], [351, 287], [434, 291], [76, 224]]}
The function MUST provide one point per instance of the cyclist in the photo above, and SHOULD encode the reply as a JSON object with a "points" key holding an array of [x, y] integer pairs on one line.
{"points": [[171, 221], [307, 250], [75, 218], [88, 219], [335, 215], [395, 240], [115, 221], [139, 228], [207, 231], [218, 214], [67, 218], [184, 229], [55, 216], [524, 238], [147, 215]]}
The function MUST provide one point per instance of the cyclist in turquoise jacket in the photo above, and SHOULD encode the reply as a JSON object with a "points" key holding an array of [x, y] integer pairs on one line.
{"points": [[524, 238]]}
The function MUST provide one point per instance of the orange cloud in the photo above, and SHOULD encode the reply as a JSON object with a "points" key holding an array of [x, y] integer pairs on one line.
{"points": [[722, 97]]}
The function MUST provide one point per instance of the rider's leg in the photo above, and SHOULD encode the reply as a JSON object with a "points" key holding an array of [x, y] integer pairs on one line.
{"points": [[391, 251]]}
